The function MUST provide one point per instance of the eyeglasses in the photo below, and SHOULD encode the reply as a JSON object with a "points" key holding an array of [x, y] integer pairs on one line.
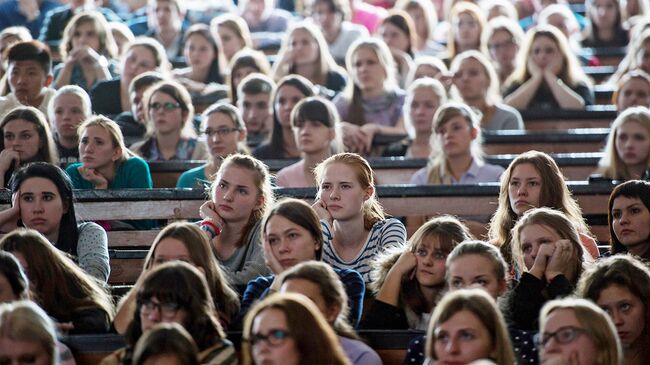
{"points": [[167, 106], [167, 310], [276, 337], [498, 46], [221, 132], [563, 335]]}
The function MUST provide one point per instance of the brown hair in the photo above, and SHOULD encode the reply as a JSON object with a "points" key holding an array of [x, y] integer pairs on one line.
{"points": [[107, 45]]}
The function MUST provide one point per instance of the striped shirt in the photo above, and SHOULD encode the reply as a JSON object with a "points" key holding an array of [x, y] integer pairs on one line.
{"points": [[384, 234]]}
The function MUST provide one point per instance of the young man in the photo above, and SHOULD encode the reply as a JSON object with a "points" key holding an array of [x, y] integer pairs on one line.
{"points": [[29, 74], [254, 101]]}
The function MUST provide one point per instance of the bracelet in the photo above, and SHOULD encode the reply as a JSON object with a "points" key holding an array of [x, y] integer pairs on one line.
{"points": [[210, 227]]}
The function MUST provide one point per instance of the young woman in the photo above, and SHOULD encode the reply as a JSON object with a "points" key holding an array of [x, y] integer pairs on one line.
{"points": [[430, 66], [315, 122], [239, 197], [425, 20], [78, 302], [320, 283], [183, 242], [456, 151], [476, 83], [577, 331], [14, 285], [333, 19], [628, 218], [467, 24], [372, 102], [169, 113], [398, 32], [166, 343], [633, 89], [289, 329], [501, 41], [468, 311], [627, 153], [26, 138], [292, 234], [534, 180], [423, 98], [289, 91], [410, 281], [232, 34], [548, 75], [177, 292], [355, 228], [68, 108], [605, 24], [26, 332], [304, 52], [43, 201], [88, 51], [621, 286], [637, 56], [547, 252], [225, 132], [242, 64]]}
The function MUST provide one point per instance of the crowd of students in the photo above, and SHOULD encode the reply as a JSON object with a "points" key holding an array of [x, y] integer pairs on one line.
{"points": [[86, 102]]}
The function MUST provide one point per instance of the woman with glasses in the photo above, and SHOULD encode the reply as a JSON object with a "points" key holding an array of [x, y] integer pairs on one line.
{"points": [[225, 133], [577, 331], [289, 329], [169, 113], [177, 292], [501, 40]]}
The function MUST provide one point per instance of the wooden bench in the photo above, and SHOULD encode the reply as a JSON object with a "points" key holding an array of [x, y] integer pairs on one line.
{"points": [[594, 116]]}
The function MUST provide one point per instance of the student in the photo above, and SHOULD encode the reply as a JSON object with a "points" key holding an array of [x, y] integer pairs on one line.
{"points": [[169, 112], [183, 241], [372, 102], [463, 311], [254, 100], [548, 75], [432, 67], [133, 123], [425, 20], [501, 41], [410, 281], [26, 332], [581, 333], [14, 285], [476, 83], [166, 343], [456, 151], [605, 26], [240, 196], [78, 303], [69, 107], [225, 133], [266, 22], [292, 234], [628, 217], [232, 32], [88, 51], [289, 329], [165, 23], [242, 64], [43, 201], [319, 282], [467, 24], [111, 97], [304, 52], [8, 37], [627, 153], [29, 73], [633, 89], [423, 98], [355, 228], [534, 180], [26, 138], [282, 144], [547, 252], [315, 123], [620, 285], [398, 32], [333, 19], [177, 292]]}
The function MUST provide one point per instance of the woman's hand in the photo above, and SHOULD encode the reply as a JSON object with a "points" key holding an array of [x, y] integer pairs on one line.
{"points": [[541, 261], [405, 264], [7, 158], [369, 130], [9, 217], [64, 327], [354, 138], [561, 261], [321, 209], [208, 211], [533, 68], [91, 175], [270, 260]]}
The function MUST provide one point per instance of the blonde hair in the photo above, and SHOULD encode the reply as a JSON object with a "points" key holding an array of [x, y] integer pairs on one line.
{"points": [[234, 23], [24, 321], [492, 94], [596, 323], [425, 83], [107, 46], [425, 61], [611, 165], [463, 7], [373, 212], [437, 168], [75, 90], [501, 23], [114, 132]]}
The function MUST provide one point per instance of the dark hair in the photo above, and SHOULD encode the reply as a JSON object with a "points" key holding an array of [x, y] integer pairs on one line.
{"points": [[246, 58], [402, 20], [13, 272], [214, 73], [31, 51], [144, 80], [68, 231], [166, 339], [341, 7], [629, 189], [300, 213], [315, 109], [47, 151], [181, 283], [256, 83]]}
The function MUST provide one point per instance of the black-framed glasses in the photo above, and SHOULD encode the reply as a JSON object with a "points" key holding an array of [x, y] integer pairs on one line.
{"points": [[167, 310], [166, 106], [275, 337], [563, 335], [221, 132]]}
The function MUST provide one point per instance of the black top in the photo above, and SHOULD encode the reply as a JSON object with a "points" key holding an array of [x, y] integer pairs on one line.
{"points": [[66, 155], [544, 98], [105, 98], [132, 130]]}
